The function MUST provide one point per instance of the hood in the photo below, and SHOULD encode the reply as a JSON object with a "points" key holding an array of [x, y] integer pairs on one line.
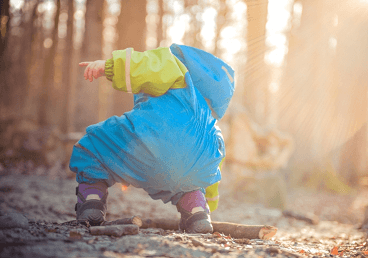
{"points": [[213, 78]]}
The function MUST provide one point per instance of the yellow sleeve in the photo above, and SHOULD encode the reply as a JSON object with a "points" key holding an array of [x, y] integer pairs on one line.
{"points": [[212, 196], [212, 193], [152, 72]]}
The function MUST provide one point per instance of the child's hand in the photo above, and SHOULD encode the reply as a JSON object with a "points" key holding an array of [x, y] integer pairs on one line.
{"points": [[94, 69]]}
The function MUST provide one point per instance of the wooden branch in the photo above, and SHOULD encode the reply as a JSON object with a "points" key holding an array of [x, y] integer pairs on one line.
{"points": [[133, 220], [235, 230], [164, 223], [115, 230]]}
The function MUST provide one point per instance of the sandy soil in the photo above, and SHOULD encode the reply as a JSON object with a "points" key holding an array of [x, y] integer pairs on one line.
{"points": [[48, 206]]}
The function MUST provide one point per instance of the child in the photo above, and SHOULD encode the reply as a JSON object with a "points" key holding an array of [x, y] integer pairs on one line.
{"points": [[168, 144]]}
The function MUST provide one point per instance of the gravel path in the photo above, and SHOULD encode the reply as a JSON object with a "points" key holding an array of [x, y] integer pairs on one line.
{"points": [[41, 213]]}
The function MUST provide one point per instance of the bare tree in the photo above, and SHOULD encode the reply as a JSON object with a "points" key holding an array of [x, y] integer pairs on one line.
{"points": [[4, 18], [15, 58], [192, 36], [255, 75], [132, 33], [67, 65], [86, 111], [48, 72], [5, 21], [159, 31]]}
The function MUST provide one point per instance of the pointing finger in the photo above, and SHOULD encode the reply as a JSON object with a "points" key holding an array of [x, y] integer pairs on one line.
{"points": [[86, 71], [90, 73], [95, 72], [84, 63]]}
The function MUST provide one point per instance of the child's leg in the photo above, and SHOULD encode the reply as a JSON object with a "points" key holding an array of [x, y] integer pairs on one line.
{"points": [[194, 212], [93, 182]]}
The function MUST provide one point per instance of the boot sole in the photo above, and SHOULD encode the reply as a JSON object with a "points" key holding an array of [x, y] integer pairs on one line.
{"points": [[93, 216], [200, 227]]}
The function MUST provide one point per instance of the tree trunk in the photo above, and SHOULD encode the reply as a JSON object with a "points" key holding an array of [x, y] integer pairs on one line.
{"points": [[192, 36], [33, 63], [5, 21], [159, 31], [132, 33], [48, 75], [351, 62], [17, 58], [221, 22], [4, 18], [255, 74], [67, 65], [86, 111]]}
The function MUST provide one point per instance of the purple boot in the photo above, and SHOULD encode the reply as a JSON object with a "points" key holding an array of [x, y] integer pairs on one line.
{"points": [[194, 210], [91, 205]]}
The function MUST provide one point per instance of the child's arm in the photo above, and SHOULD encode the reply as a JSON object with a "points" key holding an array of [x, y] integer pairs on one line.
{"points": [[153, 72]]}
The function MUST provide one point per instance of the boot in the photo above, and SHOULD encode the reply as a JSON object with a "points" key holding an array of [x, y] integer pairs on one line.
{"points": [[195, 215], [91, 205]]}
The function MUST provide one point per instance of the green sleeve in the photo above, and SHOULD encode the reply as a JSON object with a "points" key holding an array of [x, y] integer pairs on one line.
{"points": [[212, 196], [212, 193], [152, 72], [109, 69]]}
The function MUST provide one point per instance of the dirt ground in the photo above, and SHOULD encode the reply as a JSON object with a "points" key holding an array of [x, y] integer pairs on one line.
{"points": [[42, 209]]}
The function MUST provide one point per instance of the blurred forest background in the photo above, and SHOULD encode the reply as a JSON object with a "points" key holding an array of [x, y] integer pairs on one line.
{"points": [[301, 102]]}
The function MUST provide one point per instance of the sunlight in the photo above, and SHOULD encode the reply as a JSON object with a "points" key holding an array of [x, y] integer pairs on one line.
{"points": [[239, 9], [274, 87], [278, 21], [208, 31], [231, 37], [177, 30], [49, 6], [47, 43], [16, 4], [332, 42]]}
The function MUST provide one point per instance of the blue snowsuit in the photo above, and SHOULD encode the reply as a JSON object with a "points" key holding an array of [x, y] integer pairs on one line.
{"points": [[168, 144]]}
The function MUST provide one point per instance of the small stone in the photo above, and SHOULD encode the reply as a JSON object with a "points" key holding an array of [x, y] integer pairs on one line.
{"points": [[272, 250], [242, 241], [178, 238], [196, 243], [13, 220], [75, 235]]}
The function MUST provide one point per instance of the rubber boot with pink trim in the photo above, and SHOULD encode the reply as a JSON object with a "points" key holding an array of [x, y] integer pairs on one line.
{"points": [[91, 205], [195, 215]]}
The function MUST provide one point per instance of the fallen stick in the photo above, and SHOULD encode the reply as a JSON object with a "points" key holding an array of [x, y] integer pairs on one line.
{"points": [[164, 223], [133, 220], [115, 230], [235, 230]]}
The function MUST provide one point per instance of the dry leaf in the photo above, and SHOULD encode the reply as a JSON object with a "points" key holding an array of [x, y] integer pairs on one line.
{"points": [[365, 252], [301, 251], [217, 234], [335, 251], [74, 235]]}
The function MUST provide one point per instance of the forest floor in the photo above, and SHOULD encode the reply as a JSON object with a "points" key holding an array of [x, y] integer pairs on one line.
{"points": [[42, 208]]}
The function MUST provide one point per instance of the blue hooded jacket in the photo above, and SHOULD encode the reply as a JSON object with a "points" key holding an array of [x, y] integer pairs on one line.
{"points": [[168, 144]]}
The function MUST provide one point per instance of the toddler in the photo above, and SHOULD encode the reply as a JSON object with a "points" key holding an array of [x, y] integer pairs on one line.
{"points": [[168, 144]]}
